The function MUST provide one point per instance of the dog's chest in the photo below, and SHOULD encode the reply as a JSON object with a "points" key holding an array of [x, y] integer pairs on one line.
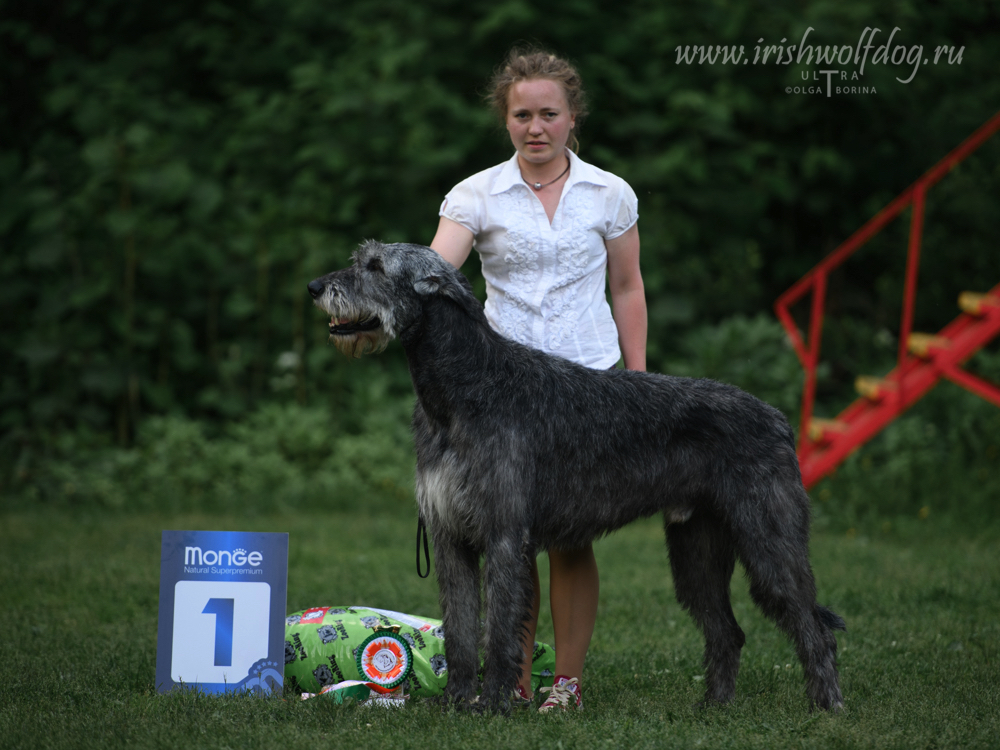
{"points": [[446, 501], [464, 485]]}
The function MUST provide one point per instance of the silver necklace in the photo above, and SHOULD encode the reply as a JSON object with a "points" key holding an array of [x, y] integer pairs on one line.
{"points": [[539, 186]]}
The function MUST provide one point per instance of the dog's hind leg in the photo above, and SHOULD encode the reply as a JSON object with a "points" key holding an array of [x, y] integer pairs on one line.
{"points": [[776, 558], [702, 558], [457, 566], [508, 589]]}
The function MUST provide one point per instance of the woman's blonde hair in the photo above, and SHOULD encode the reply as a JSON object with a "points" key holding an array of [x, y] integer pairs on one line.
{"points": [[533, 65]]}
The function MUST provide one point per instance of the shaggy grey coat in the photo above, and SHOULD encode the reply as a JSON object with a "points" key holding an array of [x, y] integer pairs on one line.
{"points": [[520, 451]]}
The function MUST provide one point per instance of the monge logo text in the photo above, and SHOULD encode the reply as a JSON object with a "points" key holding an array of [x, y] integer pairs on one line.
{"points": [[197, 560]]}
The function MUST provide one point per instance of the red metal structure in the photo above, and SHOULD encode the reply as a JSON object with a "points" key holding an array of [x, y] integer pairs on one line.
{"points": [[922, 360]]}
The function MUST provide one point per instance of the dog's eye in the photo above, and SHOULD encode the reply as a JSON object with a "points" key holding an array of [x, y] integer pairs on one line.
{"points": [[375, 265]]}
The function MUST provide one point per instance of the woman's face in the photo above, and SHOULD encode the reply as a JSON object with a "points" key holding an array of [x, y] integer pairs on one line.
{"points": [[539, 120]]}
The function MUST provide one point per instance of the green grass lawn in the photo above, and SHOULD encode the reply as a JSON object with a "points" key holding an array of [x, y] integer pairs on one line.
{"points": [[78, 608]]}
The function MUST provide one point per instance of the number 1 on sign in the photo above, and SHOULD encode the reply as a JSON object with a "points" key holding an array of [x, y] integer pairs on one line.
{"points": [[223, 611], [220, 630]]}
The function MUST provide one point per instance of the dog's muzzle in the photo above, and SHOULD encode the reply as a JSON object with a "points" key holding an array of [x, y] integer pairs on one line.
{"points": [[343, 326]]}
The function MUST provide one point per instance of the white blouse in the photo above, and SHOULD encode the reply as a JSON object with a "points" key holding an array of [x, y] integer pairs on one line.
{"points": [[545, 283]]}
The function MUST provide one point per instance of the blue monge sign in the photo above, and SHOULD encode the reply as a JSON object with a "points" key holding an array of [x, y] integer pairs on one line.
{"points": [[222, 611]]}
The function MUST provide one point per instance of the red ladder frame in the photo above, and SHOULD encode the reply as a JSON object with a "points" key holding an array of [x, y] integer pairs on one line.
{"points": [[819, 457]]}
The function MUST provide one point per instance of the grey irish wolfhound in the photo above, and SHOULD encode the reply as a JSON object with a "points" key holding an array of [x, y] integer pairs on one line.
{"points": [[520, 451]]}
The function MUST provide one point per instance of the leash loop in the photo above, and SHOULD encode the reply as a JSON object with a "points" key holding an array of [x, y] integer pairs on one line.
{"points": [[422, 532]]}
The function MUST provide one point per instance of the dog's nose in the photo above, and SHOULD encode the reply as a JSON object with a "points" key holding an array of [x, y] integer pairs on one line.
{"points": [[315, 288]]}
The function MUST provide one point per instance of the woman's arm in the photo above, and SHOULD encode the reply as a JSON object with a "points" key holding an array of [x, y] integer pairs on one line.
{"points": [[453, 242], [628, 297]]}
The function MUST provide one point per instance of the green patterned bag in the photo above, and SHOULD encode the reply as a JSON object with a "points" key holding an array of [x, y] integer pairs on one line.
{"points": [[321, 646]]}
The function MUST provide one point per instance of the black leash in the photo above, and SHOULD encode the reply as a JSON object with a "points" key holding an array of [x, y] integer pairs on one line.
{"points": [[422, 531]]}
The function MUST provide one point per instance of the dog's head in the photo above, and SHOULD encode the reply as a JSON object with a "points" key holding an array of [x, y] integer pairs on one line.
{"points": [[383, 293]]}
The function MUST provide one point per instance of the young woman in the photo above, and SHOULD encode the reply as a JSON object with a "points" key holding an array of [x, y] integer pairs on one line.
{"points": [[549, 228]]}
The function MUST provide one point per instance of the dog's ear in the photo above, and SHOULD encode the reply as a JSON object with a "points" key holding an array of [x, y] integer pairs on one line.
{"points": [[457, 289], [428, 285], [445, 286]]}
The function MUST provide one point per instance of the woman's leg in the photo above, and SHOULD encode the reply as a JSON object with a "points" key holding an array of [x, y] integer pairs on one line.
{"points": [[573, 595], [530, 627]]}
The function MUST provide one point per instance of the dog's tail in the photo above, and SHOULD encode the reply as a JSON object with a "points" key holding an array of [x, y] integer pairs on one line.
{"points": [[830, 618]]}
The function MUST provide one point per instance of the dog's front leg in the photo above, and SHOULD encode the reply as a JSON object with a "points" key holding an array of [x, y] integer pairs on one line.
{"points": [[508, 592], [457, 566]]}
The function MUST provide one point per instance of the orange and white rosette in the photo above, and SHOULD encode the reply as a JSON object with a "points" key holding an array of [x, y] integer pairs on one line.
{"points": [[385, 659]]}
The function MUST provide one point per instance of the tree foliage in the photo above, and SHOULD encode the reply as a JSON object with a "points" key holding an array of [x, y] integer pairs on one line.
{"points": [[172, 175]]}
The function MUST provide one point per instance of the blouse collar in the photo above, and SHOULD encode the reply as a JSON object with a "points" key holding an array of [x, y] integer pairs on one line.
{"points": [[579, 171]]}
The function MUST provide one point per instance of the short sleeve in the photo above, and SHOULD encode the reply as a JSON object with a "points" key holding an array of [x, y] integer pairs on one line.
{"points": [[625, 214], [464, 206]]}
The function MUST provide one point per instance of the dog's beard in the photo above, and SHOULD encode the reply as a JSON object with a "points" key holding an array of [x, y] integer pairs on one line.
{"points": [[358, 334], [359, 343]]}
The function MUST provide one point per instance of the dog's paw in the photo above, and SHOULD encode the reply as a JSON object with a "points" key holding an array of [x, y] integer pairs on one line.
{"points": [[710, 701], [496, 706], [460, 703], [826, 698], [834, 706]]}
